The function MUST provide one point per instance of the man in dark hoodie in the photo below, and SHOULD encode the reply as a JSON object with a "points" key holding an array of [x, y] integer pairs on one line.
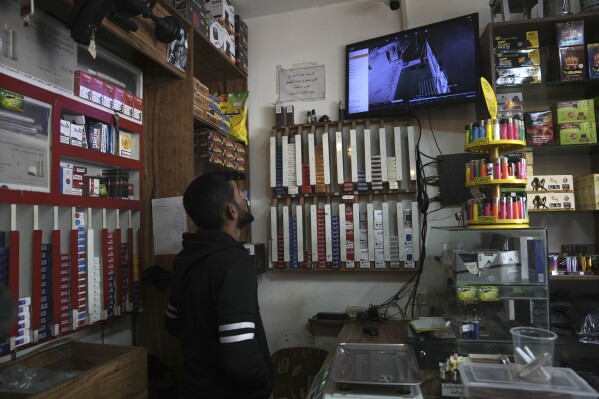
{"points": [[214, 303]]}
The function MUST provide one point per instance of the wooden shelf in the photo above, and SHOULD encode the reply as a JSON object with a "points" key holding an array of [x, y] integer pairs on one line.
{"points": [[97, 157], [210, 64], [557, 150], [342, 270]]}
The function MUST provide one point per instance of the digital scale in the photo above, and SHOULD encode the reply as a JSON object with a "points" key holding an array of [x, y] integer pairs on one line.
{"points": [[369, 371]]}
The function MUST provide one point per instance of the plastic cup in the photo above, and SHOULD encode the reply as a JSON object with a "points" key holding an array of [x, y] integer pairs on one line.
{"points": [[534, 347], [530, 343]]}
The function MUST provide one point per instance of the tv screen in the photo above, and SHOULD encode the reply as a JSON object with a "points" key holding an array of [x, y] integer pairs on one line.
{"points": [[427, 66]]}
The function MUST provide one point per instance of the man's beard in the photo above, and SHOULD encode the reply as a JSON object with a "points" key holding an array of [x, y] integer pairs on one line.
{"points": [[245, 217]]}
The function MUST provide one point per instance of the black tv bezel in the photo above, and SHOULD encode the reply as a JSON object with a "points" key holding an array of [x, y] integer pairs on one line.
{"points": [[404, 109]]}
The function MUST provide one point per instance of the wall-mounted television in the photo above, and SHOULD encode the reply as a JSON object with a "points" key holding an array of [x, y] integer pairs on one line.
{"points": [[428, 66]]}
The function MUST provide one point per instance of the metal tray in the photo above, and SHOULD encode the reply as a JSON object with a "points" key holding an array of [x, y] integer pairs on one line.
{"points": [[375, 364]]}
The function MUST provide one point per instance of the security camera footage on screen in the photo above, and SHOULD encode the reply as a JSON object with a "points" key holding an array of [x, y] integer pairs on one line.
{"points": [[428, 65]]}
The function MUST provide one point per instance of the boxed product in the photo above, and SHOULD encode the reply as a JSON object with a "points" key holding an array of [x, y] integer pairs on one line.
{"points": [[128, 104], [218, 35], [138, 106], [518, 75], [570, 33], [572, 63], [549, 183], [577, 133], [509, 104], [593, 57], [539, 128], [574, 111], [107, 94], [517, 58], [587, 192], [65, 132], [241, 60], [546, 201], [516, 41], [118, 98], [195, 12], [229, 48], [84, 87], [78, 135], [241, 33], [224, 12]]}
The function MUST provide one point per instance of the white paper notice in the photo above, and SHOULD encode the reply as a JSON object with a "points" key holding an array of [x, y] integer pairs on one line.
{"points": [[169, 223]]}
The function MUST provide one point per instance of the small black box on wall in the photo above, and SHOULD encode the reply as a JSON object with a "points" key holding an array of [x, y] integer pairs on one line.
{"points": [[257, 252]]}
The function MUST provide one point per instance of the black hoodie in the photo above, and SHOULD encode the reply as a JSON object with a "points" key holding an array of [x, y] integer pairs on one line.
{"points": [[214, 309]]}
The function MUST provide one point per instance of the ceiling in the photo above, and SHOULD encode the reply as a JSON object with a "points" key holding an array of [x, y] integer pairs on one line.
{"points": [[258, 8]]}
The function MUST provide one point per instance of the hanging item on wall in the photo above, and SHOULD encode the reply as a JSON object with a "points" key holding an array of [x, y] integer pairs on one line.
{"points": [[302, 84], [177, 50], [234, 105]]}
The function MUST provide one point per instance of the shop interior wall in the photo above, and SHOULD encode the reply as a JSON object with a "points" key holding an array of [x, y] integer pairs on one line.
{"points": [[319, 35]]}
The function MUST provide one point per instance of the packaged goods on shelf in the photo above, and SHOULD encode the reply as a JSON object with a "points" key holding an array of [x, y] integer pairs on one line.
{"points": [[241, 59], [199, 87], [577, 133], [572, 63], [241, 34], [574, 111], [223, 12], [65, 132], [218, 35], [586, 191], [116, 182], [593, 59], [521, 40], [539, 128], [548, 201], [517, 58], [550, 183], [509, 104], [195, 12], [85, 88], [570, 33], [518, 75]]}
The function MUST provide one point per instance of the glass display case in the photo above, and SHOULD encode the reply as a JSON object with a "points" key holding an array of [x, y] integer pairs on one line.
{"points": [[492, 280]]}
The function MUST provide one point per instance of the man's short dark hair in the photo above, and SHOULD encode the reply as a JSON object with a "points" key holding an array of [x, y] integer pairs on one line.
{"points": [[205, 198]]}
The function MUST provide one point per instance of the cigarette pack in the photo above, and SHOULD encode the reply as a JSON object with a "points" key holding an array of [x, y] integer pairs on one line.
{"points": [[570, 33], [539, 128], [572, 63], [520, 40], [547, 201], [574, 111], [593, 59]]}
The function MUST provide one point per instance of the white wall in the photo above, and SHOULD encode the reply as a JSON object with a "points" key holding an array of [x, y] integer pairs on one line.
{"points": [[319, 35]]}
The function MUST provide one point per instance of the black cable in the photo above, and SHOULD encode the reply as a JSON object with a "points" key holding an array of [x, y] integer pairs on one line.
{"points": [[430, 124]]}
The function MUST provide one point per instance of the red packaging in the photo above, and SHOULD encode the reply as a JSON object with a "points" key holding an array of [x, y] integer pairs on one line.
{"points": [[117, 99], [97, 90], [107, 95], [137, 107], [83, 85], [128, 104]]}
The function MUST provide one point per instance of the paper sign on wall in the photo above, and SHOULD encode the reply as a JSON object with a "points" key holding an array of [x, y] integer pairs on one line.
{"points": [[302, 84]]}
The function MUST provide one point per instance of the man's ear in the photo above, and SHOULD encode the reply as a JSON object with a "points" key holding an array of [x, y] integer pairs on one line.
{"points": [[231, 211]]}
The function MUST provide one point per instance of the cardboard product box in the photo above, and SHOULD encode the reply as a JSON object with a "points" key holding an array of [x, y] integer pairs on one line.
{"points": [[516, 41], [518, 75], [84, 86], [241, 33], [66, 180], [517, 58], [199, 87], [128, 104], [107, 94], [195, 12], [588, 189], [118, 98], [539, 128], [218, 35], [577, 133], [546, 201], [570, 33], [224, 12], [229, 49], [554, 183], [91, 186], [78, 135], [593, 59], [241, 60], [574, 111], [65, 132], [138, 106], [572, 63], [509, 104]]}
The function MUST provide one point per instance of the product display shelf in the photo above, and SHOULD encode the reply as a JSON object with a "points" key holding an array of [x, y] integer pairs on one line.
{"points": [[343, 197], [494, 148]]}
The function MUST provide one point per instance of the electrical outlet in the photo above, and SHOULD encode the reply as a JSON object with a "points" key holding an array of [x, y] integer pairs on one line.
{"points": [[422, 298]]}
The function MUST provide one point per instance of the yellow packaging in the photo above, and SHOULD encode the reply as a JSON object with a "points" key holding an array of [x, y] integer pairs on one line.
{"points": [[467, 293], [488, 293]]}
